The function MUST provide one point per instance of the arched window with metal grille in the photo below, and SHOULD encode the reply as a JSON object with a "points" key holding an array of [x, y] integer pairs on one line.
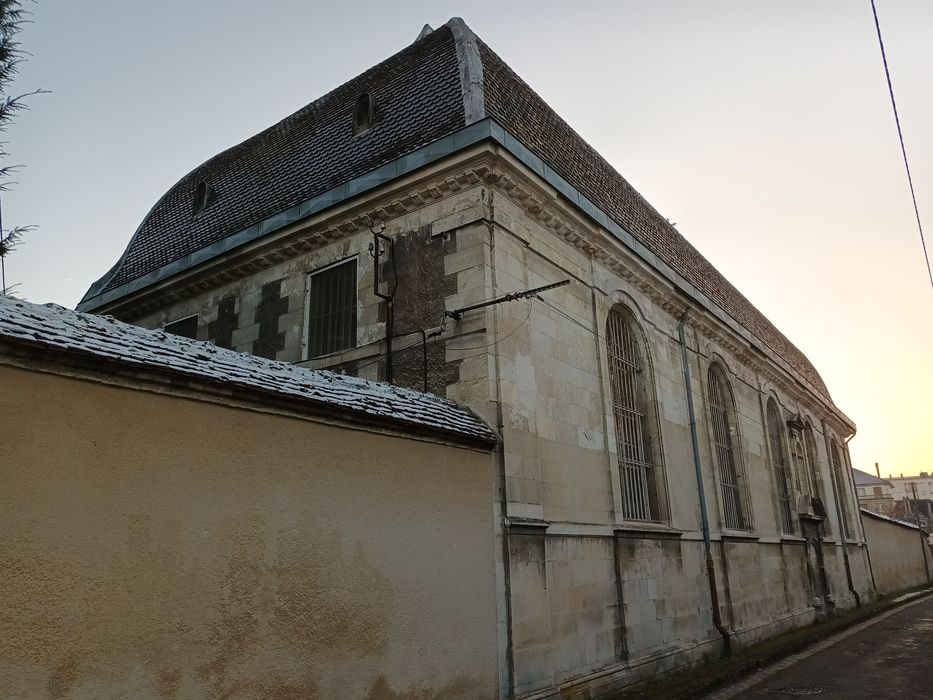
{"points": [[779, 463], [813, 464], [842, 485], [630, 379], [722, 418]]}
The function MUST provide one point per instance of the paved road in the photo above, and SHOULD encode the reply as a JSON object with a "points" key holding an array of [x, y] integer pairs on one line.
{"points": [[887, 658]]}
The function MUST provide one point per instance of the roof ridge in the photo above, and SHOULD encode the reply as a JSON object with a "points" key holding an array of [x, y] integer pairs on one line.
{"points": [[652, 229], [471, 70]]}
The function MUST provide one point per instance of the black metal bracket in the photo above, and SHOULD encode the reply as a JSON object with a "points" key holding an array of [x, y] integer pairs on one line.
{"points": [[457, 314]]}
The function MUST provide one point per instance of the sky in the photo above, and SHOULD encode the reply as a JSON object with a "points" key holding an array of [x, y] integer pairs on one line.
{"points": [[762, 129]]}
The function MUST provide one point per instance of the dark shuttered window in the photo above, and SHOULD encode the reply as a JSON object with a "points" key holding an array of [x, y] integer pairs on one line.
{"points": [[186, 327], [332, 312]]}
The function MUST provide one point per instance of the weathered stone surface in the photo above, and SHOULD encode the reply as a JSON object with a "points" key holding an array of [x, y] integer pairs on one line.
{"points": [[594, 600]]}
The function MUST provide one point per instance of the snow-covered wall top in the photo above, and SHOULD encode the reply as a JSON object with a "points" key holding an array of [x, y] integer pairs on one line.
{"points": [[54, 327], [881, 516]]}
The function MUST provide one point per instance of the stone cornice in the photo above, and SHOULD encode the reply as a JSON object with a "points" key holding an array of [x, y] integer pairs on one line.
{"points": [[544, 205], [298, 240], [491, 166]]}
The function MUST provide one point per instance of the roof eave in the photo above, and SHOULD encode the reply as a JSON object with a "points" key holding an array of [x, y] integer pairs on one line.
{"points": [[486, 129], [165, 380]]}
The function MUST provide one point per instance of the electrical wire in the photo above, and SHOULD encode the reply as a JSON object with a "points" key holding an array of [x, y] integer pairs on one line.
{"points": [[496, 342], [900, 135], [752, 422]]}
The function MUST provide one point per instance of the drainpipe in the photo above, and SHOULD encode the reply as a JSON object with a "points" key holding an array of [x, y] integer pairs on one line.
{"points": [[861, 523], [704, 518], [378, 236], [841, 526], [850, 482], [923, 539]]}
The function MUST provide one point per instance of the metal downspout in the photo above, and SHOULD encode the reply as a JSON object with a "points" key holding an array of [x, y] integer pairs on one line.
{"points": [[850, 482], [923, 540], [704, 518], [389, 299], [839, 523], [867, 549], [503, 503]]}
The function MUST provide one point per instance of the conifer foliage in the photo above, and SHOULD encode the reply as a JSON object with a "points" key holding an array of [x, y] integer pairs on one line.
{"points": [[12, 19]]}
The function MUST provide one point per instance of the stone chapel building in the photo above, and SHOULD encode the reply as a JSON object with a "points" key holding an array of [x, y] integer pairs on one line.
{"points": [[673, 475]]}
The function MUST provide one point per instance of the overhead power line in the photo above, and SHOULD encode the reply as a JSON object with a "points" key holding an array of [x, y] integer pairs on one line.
{"points": [[900, 135]]}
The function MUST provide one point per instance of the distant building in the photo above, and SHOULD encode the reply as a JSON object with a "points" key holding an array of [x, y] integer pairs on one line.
{"points": [[909, 510], [874, 493], [903, 486]]}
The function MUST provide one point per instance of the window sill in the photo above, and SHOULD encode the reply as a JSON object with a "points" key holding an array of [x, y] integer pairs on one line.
{"points": [[647, 530], [339, 357], [738, 536], [525, 526], [792, 538], [838, 541]]}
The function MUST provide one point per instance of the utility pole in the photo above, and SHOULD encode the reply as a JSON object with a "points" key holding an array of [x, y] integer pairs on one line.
{"points": [[923, 540]]}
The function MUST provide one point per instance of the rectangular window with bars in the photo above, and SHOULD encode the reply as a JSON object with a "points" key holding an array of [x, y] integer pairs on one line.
{"points": [[332, 309]]}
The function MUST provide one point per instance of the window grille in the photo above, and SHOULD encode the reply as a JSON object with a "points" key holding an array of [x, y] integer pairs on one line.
{"points": [[776, 439], [842, 487], [332, 309], [628, 376], [722, 418]]}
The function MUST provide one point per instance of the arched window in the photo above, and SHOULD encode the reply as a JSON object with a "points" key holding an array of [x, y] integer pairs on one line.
{"points": [[813, 465], [779, 463], [630, 378], [842, 486], [722, 417]]}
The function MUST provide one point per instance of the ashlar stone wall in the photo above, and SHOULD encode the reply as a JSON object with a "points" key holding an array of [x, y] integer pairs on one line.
{"points": [[574, 627], [588, 601]]}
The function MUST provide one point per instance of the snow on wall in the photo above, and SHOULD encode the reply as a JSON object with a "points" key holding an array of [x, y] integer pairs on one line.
{"points": [[881, 516], [53, 326]]}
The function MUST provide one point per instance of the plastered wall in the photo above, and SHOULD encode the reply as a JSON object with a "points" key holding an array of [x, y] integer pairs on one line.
{"points": [[897, 555], [156, 546]]}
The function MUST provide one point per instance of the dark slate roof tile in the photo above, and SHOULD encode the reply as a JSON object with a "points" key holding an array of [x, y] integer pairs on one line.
{"points": [[511, 102], [418, 98]]}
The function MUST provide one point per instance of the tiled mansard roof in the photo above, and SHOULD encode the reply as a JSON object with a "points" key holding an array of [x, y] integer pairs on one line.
{"points": [[443, 82], [102, 338], [866, 479]]}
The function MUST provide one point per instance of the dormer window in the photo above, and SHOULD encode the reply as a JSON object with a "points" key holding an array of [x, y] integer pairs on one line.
{"points": [[363, 113], [203, 195]]}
